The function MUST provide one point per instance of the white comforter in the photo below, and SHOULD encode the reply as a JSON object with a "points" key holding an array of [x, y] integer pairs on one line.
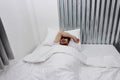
{"points": [[59, 63], [42, 55]]}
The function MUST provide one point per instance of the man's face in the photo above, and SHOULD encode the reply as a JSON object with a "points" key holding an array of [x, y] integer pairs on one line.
{"points": [[64, 41]]}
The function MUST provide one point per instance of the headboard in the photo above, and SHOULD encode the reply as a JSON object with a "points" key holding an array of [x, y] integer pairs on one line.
{"points": [[98, 20]]}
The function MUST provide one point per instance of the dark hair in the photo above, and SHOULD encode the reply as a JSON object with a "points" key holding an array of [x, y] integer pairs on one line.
{"points": [[66, 38]]}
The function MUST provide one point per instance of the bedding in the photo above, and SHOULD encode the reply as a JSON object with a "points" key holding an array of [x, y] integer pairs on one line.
{"points": [[51, 34], [76, 33], [97, 73], [65, 66], [42, 55], [97, 68], [101, 55]]}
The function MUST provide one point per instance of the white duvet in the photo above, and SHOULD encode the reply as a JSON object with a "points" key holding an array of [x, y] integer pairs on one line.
{"points": [[61, 63], [57, 63], [42, 55]]}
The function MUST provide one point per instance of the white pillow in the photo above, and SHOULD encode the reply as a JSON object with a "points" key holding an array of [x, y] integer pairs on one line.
{"points": [[49, 40], [76, 33], [75, 45], [51, 34]]}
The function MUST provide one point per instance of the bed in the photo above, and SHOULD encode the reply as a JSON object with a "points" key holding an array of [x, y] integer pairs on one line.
{"points": [[56, 62]]}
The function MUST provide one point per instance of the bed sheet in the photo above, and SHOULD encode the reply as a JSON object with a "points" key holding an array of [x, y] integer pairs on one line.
{"points": [[96, 73], [94, 50], [88, 72]]}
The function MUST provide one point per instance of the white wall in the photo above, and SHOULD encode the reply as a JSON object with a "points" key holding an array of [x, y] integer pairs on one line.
{"points": [[26, 22], [16, 21], [45, 14]]}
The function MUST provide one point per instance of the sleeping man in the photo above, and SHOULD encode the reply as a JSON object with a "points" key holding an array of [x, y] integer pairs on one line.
{"points": [[64, 38]]}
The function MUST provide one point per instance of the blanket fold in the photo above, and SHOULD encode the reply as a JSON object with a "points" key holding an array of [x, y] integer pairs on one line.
{"points": [[41, 56]]}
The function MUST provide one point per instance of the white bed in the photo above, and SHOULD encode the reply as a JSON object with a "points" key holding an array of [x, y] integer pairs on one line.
{"points": [[67, 67]]}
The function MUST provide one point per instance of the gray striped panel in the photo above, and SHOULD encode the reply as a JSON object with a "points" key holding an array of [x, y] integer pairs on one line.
{"points": [[98, 20]]}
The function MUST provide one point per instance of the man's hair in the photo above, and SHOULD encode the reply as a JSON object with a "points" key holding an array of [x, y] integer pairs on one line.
{"points": [[66, 38]]}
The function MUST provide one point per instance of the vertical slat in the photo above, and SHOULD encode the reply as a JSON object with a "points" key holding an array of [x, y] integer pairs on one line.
{"points": [[110, 22], [85, 37], [87, 21], [101, 21], [92, 21], [65, 14], [62, 14], [59, 13], [118, 32], [78, 13], [106, 21], [81, 32], [115, 21], [70, 13], [83, 20], [74, 14], [96, 20]]}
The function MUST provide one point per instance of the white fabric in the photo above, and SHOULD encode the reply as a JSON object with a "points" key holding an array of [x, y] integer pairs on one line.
{"points": [[105, 61], [101, 55], [76, 33], [98, 68], [42, 55], [75, 45], [60, 66], [96, 73], [65, 67]]}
